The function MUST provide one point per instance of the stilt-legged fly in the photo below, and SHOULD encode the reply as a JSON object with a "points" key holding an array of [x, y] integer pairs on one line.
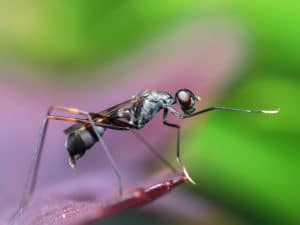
{"points": [[132, 114]]}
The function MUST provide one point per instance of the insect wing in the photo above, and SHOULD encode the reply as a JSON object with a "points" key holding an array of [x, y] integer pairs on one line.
{"points": [[110, 112]]}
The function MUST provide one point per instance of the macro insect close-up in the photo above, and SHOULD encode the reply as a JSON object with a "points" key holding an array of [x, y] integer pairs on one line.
{"points": [[142, 108], [149, 113]]}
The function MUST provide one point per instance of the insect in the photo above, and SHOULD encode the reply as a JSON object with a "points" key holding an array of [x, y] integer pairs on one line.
{"points": [[132, 114]]}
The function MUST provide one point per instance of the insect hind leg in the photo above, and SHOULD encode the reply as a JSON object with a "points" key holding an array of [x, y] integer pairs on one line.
{"points": [[31, 179], [104, 146], [33, 171]]}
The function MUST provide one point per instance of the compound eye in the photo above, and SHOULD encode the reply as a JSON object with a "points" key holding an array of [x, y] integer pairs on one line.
{"points": [[185, 98]]}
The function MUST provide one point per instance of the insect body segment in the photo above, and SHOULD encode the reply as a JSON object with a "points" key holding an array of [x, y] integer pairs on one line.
{"points": [[80, 139], [149, 104]]}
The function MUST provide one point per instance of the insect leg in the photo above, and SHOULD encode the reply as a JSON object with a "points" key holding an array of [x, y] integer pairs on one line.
{"points": [[153, 150], [165, 122], [113, 164], [105, 148], [31, 179]]}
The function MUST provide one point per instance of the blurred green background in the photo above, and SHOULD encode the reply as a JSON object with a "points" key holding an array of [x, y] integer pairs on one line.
{"points": [[247, 165]]}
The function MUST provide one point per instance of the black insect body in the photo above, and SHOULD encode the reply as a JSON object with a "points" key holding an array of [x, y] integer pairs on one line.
{"points": [[79, 139], [132, 114]]}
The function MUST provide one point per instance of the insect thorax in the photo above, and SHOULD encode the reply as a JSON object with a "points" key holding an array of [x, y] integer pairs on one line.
{"points": [[151, 103]]}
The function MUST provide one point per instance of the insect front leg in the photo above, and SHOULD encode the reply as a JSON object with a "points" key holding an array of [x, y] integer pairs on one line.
{"points": [[177, 127], [230, 109]]}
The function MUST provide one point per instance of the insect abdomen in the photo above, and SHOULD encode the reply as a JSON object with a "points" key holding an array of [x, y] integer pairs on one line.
{"points": [[79, 141]]}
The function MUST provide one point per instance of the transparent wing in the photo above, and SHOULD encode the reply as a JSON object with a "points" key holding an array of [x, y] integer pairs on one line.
{"points": [[106, 118], [84, 123], [110, 112]]}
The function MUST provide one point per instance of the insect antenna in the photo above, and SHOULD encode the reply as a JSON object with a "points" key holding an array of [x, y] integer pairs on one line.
{"points": [[249, 110], [233, 110]]}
